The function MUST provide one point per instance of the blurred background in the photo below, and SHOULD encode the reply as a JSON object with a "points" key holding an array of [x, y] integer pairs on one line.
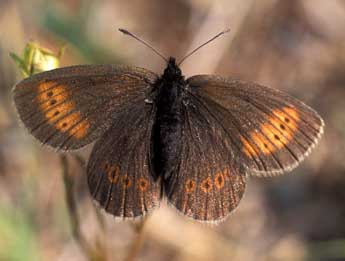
{"points": [[297, 46]]}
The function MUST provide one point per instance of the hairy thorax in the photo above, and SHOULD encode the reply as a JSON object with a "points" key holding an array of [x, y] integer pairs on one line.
{"points": [[167, 130]]}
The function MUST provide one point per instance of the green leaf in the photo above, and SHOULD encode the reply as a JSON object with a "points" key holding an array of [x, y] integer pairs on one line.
{"points": [[20, 63]]}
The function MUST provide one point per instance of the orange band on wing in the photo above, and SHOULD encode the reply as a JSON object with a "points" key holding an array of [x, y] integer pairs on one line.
{"points": [[52, 101], [275, 134], [247, 147]]}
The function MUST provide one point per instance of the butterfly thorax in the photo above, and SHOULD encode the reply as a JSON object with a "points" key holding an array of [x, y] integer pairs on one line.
{"points": [[167, 129], [172, 72]]}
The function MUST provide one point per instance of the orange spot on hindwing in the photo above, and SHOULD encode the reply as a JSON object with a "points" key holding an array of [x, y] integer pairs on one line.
{"points": [[190, 186], [58, 110], [126, 181], [113, 173], [206, 185], [219, 180], [143, 184]]}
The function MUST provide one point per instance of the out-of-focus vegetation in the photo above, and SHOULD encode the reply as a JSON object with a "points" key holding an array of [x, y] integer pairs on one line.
{"points": [[36, 59], [297, 46]]}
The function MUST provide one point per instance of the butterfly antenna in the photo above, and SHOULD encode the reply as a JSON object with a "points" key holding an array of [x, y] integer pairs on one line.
{"points": [[196, 49], [124, 31]]}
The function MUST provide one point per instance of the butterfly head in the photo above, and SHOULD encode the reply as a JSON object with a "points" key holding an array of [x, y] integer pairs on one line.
{"points": [[172, 71]]}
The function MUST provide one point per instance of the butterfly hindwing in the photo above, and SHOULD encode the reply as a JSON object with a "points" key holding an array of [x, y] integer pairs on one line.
{"points": [[70, 107], [118, 170], [209, 184], [270, 131]]}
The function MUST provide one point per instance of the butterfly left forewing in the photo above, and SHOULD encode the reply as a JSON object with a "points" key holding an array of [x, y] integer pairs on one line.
{"points": [[208, 184], [70, 107], [271, 131]]}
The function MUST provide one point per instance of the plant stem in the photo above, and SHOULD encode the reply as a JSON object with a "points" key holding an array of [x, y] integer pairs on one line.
{"points": [[138, 241], [96, 253]]}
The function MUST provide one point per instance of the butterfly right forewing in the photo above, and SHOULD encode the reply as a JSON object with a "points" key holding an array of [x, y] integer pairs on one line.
{"points": [[269, 131]]}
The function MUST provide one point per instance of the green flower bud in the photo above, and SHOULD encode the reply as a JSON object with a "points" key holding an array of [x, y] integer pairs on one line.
{"points": [[37, 59]]}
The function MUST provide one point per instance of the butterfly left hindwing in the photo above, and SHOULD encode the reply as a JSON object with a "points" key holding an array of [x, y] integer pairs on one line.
{"points": [[208, 184], [118, 170]]}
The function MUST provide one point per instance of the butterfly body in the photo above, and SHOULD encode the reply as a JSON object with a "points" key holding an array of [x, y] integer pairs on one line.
{"points": [[196, 140], [167, 128]]}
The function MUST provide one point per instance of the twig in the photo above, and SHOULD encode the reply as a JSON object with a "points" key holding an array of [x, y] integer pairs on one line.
{"points": [[82, 165], [80, 160], [71, 205], [95, 253], [138, 241]]}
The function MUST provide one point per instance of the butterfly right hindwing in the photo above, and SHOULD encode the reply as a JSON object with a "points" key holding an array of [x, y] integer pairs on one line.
{"points": [[208, 184]]}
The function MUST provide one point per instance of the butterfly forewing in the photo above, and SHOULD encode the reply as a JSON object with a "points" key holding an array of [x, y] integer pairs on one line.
{"points": [[118, 168], [209, 184], [70, 107], [269, 131]]}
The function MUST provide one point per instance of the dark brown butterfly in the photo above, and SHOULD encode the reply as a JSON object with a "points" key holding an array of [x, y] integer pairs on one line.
{"points": [[192, 140]]}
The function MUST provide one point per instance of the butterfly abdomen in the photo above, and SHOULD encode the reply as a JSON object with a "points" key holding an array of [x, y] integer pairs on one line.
{"points": [[167, 129]]}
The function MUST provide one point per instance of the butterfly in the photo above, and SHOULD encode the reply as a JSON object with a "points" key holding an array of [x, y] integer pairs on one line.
{"points": [[192, 141]]}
